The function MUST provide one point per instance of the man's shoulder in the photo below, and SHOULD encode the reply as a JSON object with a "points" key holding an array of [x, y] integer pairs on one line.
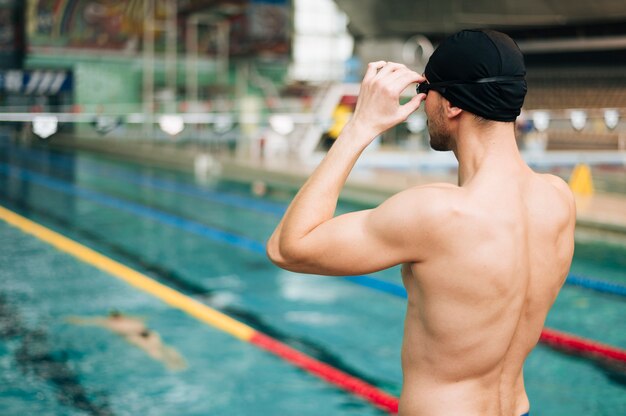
{"points": [[561, 199], [424, 203], [434, 193], [560, 186], [416, 216], [556, 181]]}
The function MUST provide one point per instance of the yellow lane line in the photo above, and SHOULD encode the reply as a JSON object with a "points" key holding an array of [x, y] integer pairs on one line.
{"points": [[170, 296]]}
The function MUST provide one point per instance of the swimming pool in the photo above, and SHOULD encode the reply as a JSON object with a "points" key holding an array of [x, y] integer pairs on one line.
{"points": [[207, 242]]}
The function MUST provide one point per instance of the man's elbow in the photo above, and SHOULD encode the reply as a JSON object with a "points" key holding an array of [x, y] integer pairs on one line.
{"points": [[285, 256], [272, 249]]}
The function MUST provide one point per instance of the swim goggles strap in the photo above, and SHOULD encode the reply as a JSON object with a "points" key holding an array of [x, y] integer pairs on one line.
{"points": [[424, 87]]}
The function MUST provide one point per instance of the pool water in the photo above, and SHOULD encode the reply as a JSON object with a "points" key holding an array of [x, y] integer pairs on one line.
{"points": [[206, 241]]}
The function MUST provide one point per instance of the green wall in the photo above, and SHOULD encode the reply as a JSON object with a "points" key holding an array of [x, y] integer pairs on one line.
{"points": [[114, 83]]}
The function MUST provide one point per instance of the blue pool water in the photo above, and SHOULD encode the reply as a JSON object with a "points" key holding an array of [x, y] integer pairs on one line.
{"points": [[206, 241]]}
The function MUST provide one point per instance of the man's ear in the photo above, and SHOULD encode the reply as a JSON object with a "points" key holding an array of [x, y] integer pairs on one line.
{"points": [[449, 110]]}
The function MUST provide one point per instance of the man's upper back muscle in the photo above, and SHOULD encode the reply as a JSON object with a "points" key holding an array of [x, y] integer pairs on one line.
{"points": [[478, 302]]}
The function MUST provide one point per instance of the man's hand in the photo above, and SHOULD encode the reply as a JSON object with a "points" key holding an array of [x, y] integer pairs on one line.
{"points": [[378, 107]]}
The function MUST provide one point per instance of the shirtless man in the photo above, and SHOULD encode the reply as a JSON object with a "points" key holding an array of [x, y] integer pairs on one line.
{"points": [[482, 261]]}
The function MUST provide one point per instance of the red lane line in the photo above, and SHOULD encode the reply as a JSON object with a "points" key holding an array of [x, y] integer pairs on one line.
{"points": [[326, 372], [562, 340]]}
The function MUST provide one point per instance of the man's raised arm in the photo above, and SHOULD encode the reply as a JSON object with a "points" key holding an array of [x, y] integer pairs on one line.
{"points": [[308, 238]]}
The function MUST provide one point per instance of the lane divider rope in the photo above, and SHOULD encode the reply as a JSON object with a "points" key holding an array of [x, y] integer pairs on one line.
{"points": [[581, 346], [276, 209], [597, 285], [205, 313]]}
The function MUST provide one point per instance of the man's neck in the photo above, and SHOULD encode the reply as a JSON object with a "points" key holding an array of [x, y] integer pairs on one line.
{"points": [[492, 148]]}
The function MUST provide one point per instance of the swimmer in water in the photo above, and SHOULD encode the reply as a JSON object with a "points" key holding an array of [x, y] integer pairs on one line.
{"points": [[135, 332], [482, 260]]}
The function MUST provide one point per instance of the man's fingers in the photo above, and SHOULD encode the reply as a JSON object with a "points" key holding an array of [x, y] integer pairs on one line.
{"points": [[372, 69], [404, 79], [390, 68], [412, 105], [409, 76], [396, 77]]}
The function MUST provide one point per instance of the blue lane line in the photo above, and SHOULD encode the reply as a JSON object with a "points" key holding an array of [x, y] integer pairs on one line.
{"points": [[262, 206], [65, 162], [174, 221], [597, 285], [133, 208], [379, 285]]}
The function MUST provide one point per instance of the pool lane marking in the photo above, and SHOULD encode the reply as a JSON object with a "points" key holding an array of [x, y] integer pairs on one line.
{"points": [[597, 285], [176, 187], [251, 204], [134, 208], [328, 373], [580, 346], [204, 313]]}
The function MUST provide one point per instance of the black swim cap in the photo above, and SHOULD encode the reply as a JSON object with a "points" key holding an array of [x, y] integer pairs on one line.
{"points": [[489, 57]]}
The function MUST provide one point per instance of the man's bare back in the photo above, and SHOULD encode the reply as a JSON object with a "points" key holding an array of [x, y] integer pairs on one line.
{"points": [[482, 261], [477, 304]]}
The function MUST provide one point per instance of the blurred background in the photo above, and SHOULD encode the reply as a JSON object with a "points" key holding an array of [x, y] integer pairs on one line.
{"points": [[170, 135], [279, 78]]}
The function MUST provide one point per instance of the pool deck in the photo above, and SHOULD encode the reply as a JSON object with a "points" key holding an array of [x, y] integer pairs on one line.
{"points": [[603, 213]]}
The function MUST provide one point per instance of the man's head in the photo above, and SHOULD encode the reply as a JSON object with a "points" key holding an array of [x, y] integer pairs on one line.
{"points": [[477, 71], [114, 313]]}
